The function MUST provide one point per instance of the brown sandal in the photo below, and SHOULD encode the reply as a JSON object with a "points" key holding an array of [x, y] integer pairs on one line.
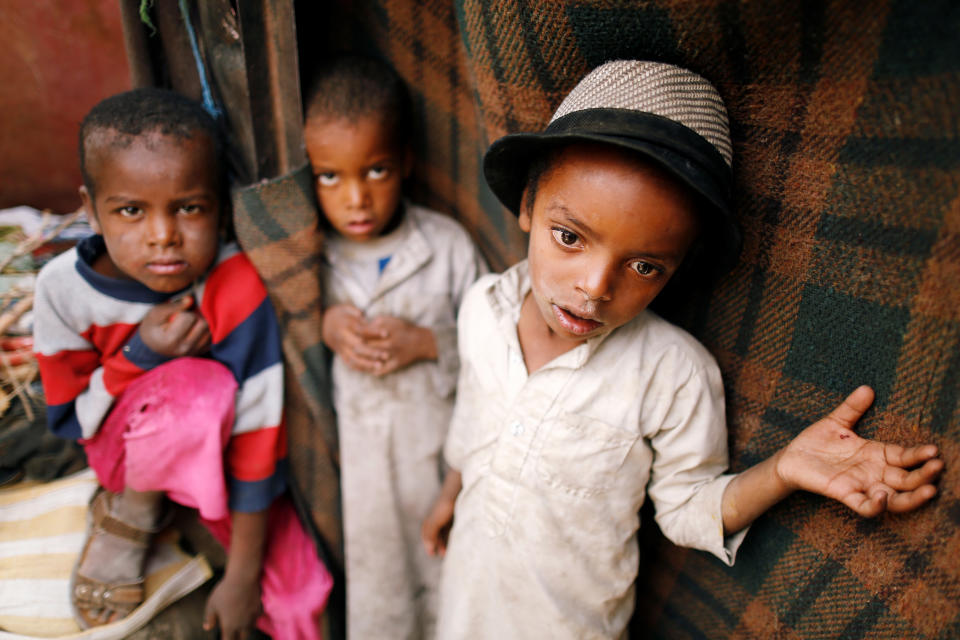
{"points": [[95, 602]]}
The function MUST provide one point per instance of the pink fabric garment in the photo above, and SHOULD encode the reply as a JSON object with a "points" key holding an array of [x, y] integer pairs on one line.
{"points": [[167, 432]]}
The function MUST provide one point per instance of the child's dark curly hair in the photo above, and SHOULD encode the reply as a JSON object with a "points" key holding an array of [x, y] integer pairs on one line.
{"points": [[116, 121], [352, 86]]}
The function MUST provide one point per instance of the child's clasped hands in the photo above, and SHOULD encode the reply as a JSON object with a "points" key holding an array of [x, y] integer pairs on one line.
{"points": [[378, 345]]}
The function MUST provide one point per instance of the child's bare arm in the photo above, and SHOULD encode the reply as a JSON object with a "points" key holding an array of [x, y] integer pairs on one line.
{"points": [[172, 329], [830, 459], [436, 526], [234, 604], [399, 343]]}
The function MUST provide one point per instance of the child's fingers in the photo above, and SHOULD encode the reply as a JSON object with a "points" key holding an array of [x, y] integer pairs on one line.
{"points": [[383, 367], [867, 506], [180, 304], [882, 499], [381, 344], [898, 479], [428, 536], [903, 480], [853, 407], [180, 323], [176, 307], [198, 338], [898, 472], [372, 331], [432, 538], [366, 352], [910, 456], [429, 546], [909, 500], [209, 619], [359, 363]]}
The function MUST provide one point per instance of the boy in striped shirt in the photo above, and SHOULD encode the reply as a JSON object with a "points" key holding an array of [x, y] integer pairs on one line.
{"points": [[159, 349]]}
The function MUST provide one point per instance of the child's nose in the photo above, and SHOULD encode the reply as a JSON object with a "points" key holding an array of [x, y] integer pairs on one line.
{"points": [[162, 229], [596, 280], [358, 194]]}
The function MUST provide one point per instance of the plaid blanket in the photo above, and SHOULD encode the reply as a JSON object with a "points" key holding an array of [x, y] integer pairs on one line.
{"points": [[847, 145]]}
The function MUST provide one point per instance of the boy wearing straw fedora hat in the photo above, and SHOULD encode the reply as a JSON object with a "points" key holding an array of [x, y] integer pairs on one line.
{"points": [[575, 402]]}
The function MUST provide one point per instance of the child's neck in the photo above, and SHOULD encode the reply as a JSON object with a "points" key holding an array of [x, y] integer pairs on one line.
{"points": [[538, 342]]}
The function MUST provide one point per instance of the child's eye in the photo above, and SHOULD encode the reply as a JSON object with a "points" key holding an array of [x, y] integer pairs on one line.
{"points": [[377, 173], [190, 209], [327, 178], [565, 237], [129, 211], [645, 268]]}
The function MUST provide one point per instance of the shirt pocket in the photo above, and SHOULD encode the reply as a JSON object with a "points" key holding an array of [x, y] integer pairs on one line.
{"points": [[582, 456]]}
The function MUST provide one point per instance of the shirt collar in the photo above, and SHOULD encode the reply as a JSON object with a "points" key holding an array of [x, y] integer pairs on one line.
{"points": [[129, 290], [413, 252], [341, 249]]}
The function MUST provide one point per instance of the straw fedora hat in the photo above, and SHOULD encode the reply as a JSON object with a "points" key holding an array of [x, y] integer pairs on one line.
{"points": [[665, 113]]}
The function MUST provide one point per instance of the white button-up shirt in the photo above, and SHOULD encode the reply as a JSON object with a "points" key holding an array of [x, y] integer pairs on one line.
{"points": [[557, 464]]}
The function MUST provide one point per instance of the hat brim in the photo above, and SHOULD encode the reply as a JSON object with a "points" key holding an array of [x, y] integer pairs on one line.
{"points": [[679, 150]]}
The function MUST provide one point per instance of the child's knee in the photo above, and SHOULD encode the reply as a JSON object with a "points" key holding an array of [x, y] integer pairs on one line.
{"points": [[185, 395]]}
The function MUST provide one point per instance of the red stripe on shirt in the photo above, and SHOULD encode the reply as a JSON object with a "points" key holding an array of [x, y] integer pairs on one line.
{"points": [[111, 338], [253, 455], [66, 374], [232, 292], [118, 372]]}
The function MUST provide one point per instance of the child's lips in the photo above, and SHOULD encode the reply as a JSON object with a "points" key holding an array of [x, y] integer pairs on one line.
{"points": [[361, 226], [575, 324], [166, 267]]}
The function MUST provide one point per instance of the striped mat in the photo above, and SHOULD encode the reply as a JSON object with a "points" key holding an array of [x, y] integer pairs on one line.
{"points": [[42, 531]]}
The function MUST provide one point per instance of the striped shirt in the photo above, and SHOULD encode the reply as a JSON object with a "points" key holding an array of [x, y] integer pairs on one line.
{"points": [[86, 334]]}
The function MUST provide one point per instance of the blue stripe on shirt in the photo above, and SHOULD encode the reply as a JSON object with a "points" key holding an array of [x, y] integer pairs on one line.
{"points": [[62, 420], [250, 497], [138, 353], [261, 330]]}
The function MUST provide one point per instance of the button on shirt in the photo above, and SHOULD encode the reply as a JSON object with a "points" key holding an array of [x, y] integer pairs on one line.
{"points": [[557, 464]]}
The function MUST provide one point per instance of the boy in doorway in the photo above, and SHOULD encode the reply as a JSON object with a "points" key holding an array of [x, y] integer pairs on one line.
{"points": [[394, 274], [159, 349]]}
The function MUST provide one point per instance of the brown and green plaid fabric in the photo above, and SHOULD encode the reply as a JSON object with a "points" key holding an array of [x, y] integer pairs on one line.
{"points": [[276, 223], [845, 125]]}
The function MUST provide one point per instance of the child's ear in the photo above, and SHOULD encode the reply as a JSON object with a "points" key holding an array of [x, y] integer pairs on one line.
{"points": [[523, 216], [89, 209]]}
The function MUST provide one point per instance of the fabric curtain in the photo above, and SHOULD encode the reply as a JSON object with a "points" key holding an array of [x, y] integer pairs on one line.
{"points": [[846, 140]]}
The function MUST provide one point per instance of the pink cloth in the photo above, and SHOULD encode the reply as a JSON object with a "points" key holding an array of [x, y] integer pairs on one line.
{"points": [[167, 432]]}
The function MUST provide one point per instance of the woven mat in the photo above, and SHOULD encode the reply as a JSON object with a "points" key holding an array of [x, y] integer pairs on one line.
{"points": [[42, 531]]}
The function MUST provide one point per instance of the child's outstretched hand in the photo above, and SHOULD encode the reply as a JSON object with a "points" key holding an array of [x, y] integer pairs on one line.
{"points": [[399, 343], [175, 330], [866, 475]]}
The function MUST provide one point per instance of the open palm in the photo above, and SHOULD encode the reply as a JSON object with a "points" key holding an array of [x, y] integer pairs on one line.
{"points": [[868, 476]]}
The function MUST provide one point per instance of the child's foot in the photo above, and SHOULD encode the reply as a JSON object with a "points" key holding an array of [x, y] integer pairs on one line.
{"points": [[108, 580]]}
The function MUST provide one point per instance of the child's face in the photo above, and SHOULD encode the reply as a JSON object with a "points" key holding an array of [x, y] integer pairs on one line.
{"points": [[606, 233], [157, 204], [358, 173]]}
